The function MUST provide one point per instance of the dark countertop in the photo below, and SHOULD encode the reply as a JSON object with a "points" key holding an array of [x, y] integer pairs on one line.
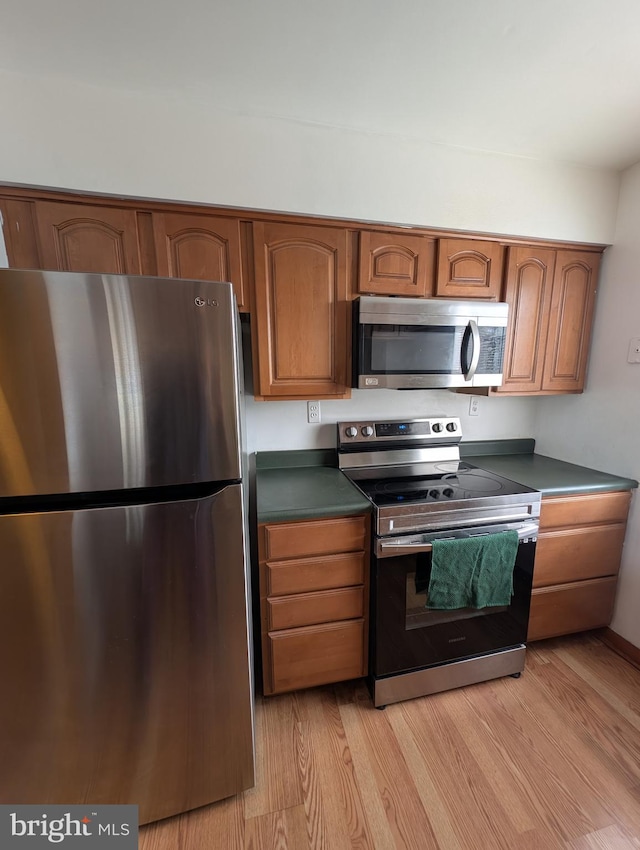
{"points": [[306, 492], [552, 477], [297, 485]]}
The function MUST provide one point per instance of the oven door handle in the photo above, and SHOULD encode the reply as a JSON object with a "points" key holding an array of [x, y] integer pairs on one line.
{"points": [[475, 356], [404, 546]]}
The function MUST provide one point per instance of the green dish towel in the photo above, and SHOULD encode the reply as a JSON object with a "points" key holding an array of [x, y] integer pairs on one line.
{"points": [[472, 572]]}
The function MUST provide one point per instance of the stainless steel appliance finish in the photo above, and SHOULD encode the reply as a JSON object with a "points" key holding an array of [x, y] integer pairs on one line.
{"points": [[421, 492], [112, 382], [124, 609], [427, 343]]}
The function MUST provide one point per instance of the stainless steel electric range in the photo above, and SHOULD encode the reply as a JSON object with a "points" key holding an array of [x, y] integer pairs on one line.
{"points": [[422, 491]]}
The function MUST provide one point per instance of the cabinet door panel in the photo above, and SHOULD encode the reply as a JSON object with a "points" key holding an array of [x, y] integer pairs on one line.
{"points": [[573, 607], [469, 268], [314, 537], [301, 310], [573, 554], [574, 290], [319, 573], [307, 609], [585, 510], [79, 238], [395, 264], [316, 655], [528, 293], [199, 247]]}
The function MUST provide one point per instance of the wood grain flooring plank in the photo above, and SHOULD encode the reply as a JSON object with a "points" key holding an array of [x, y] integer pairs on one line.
{"points": [[343, 813], [611, 838], [410, 824], [373, 806], [475, 811], [283, 830], [278, 784], [561, 798], [432, 802], [216, 827]]}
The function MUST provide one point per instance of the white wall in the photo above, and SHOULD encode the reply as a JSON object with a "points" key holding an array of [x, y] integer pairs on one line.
{"points": [[600, 428], [60, 132]]}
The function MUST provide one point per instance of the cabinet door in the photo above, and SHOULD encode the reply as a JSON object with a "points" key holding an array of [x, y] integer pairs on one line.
{"points": [[200, 247], [301, 329], [572, 302], [79, 238], [469, 268], [395, 264], [528, 293]]}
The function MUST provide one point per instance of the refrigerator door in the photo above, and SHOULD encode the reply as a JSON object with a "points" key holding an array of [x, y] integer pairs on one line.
{"points": [[110, 382], [124, 656]]}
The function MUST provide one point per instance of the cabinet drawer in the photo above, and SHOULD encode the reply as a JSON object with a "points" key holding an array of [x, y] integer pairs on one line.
{"points": [[317, 655], [311, 608], [578, 553], [301, 576], [321, 537], [567, 608], [562, 511]]}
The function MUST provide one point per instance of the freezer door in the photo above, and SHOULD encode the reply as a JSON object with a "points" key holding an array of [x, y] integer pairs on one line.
{"points": [[124, 656], [110, 382]]}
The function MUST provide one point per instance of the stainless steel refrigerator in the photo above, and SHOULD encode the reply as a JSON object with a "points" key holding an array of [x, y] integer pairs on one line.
{"points": [[125, 668]]}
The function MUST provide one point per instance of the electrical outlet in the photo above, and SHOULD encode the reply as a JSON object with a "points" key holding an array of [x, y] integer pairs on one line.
{"points": [[474, 405], [634, 351], [313, 412]]}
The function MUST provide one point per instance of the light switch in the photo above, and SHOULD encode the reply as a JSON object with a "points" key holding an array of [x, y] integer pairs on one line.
{"points": [[634, 350]]}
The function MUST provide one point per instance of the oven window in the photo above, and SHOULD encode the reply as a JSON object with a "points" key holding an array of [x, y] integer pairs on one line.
{"points": [[407, 349], [418, 615]]}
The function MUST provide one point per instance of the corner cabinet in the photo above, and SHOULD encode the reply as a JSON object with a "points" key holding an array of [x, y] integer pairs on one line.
{"points": [[314, 588], [301, 332], [551, 296], [577, 561]]}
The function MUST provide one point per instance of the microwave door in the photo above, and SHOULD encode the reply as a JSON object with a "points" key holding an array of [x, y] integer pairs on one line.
{"points": [[471, 335]]}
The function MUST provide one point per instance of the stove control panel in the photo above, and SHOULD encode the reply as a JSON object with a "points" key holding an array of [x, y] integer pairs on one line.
{"points": [[433, 431]]}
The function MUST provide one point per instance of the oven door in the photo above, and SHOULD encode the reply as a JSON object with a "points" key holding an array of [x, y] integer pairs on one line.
{"points": [[406, 635]]}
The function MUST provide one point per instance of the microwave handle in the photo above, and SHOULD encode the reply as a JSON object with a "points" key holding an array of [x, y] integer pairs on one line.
{"points": [[475, 357]]}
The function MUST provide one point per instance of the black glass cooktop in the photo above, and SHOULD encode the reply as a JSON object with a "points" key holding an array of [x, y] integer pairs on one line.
{"points": [[450, 481]]}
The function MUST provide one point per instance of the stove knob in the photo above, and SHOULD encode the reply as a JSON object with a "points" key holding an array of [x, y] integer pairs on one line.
{"points": [[351, 431], [437, 427], [448, 492], [367, 431], [435, 494], [451, 426]]}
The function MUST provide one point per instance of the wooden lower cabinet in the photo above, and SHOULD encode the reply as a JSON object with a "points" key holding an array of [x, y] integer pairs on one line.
{"points": [[314, 588], [577, 561]]}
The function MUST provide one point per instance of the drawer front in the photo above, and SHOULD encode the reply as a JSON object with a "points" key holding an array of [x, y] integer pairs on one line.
{"points": [[323, 573], [575, 554], [317, 655], [572, 607], [317, 537], [564, 511], [312, 608]]}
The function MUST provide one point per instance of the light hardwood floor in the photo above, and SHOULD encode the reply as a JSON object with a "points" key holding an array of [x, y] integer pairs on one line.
{"points": [[549, 761]]}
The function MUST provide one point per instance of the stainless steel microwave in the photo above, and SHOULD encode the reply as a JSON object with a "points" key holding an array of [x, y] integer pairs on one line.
{"points": [[427, 343]]}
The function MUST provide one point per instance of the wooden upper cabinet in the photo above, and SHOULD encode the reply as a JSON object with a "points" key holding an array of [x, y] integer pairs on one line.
{"points": [[469, 268], [528, 293], [572, 303], [300, 336], [79, 238], [395, 264], [200, 247]]}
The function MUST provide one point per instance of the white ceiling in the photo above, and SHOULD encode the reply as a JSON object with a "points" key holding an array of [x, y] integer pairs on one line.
{"points": [[551, 79]]}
